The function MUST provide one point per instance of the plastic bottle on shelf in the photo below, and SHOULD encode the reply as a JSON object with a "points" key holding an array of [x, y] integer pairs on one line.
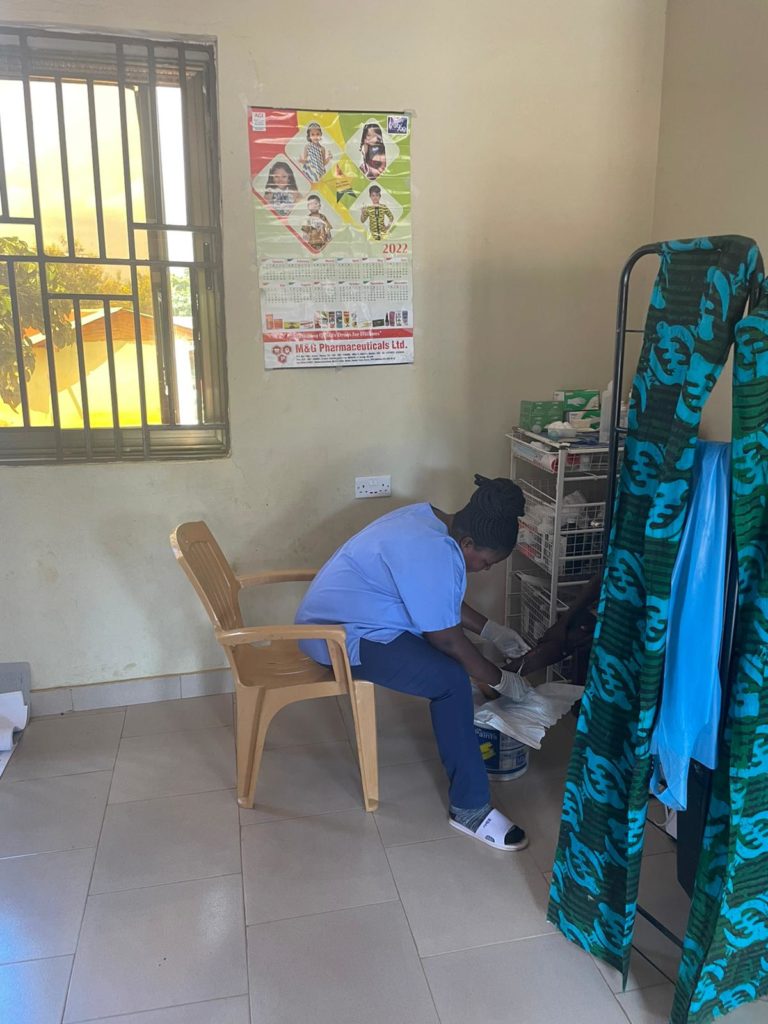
{"points": [[624, 415], [606, 402]]}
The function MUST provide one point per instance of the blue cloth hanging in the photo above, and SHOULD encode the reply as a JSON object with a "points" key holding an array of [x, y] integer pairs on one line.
{"points": [[689, 718]]}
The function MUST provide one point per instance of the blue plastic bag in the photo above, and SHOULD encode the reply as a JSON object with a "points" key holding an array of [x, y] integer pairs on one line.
{"points": [[689, 717]]}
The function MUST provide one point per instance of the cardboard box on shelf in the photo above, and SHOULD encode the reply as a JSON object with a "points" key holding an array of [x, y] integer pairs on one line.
{"points": [[589, 419], [534, 416], [578, 400]]}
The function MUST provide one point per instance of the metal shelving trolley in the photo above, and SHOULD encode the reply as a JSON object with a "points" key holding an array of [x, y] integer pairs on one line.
{"points": [[560, 544]]}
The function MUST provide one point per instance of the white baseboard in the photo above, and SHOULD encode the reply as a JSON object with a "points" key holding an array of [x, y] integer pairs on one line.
{"points": [[61, 699]]}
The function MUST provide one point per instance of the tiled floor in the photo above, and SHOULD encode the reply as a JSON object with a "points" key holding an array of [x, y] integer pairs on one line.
{"points": [[133, 891]]}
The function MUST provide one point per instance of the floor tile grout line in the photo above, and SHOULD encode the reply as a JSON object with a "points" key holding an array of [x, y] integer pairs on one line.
{"points": [[90, 881], [408, 923], [603, 977], [635, 950], [173, 700], [154, 1009], [35, 959], [302, 817], [441, 839], [45, 853], [322, 913], [158, 885], [58, 775], [47, 778], [429, 987], [621, 1007], [86, 711], [66, 775], [175, 732], [646, 988], [171, 796], [342, 742], [245, 919], [594, 961], [639, 952], [248, 970], [488, 945], [465, 948], [319, 913]]}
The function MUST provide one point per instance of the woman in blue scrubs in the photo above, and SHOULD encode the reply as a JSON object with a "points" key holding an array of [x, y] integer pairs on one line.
{"points": [[398, 589]]}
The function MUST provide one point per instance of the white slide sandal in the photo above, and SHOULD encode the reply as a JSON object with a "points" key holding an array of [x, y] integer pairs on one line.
{"points": [[493, 832]]}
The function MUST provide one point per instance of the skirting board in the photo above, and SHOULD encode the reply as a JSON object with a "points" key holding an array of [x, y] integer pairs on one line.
{"points": [[91, 697]]}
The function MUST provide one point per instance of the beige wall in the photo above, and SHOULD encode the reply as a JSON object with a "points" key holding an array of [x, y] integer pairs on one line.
{"points": [[534, 155], [713, 146]]}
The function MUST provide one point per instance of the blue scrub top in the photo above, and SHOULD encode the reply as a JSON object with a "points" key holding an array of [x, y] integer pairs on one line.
{"points": [[401, 574]]}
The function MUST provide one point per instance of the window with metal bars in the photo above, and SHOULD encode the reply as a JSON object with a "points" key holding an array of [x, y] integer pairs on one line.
{"points": [[111, 300]]}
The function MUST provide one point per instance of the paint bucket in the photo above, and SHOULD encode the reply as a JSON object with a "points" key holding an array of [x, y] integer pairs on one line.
{"points": [[504, 757]]}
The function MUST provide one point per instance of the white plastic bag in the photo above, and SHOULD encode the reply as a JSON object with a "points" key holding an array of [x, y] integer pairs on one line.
{"points": [[527, 720]]}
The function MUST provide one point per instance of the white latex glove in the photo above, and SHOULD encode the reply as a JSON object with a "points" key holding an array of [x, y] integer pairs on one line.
{"points": [[504, 639], [513, 686]]}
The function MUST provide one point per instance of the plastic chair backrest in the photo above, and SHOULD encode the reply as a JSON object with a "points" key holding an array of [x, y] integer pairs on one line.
{"points": [[210, 573]]}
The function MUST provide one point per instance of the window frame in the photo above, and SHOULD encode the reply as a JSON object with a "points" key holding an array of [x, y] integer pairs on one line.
{"points": [[195, 62]]}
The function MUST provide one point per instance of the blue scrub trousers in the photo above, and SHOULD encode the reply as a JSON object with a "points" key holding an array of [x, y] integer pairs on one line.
{"points": [[410, 664]]}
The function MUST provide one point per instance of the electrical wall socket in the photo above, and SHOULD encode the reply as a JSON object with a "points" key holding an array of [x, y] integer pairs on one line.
{"points": [[373, 486]]}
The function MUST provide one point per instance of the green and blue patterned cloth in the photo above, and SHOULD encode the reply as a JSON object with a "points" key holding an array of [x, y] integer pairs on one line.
{"points": [[694, 319]]}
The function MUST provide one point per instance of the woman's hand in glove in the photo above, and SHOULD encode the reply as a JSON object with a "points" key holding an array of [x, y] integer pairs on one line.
{"points": [[513, 686]]}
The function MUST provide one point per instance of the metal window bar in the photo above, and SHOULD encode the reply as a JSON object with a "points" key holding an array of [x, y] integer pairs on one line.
{"points": [[195, 306], [36, 210], [65, 168], [82, 370], [109, 261], [153, 142], [96, 172], [5, 210], [92, 296], [112, 379], [11, 271], [160, 225], [166, 348], [199, 127], [132, 243], [158, 246], [65, 35], [203, 124], [182, 59]]}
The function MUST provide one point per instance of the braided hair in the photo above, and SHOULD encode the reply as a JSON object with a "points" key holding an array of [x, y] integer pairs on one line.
{"points": [[490, 516]]}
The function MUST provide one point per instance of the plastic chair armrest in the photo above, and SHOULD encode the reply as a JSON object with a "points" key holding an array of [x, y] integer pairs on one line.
{"points": [[259, 634], [257, 579]]}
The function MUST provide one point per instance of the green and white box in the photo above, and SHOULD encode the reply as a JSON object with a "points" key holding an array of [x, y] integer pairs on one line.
{"points": [[587, 420], [534, 416], [574, 400]]}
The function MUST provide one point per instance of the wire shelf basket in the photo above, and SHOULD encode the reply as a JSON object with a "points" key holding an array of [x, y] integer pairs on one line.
{"points": [[577, 513], [576, 554], [534, 620], [581, 460], [577, 551], [534, 610]]}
